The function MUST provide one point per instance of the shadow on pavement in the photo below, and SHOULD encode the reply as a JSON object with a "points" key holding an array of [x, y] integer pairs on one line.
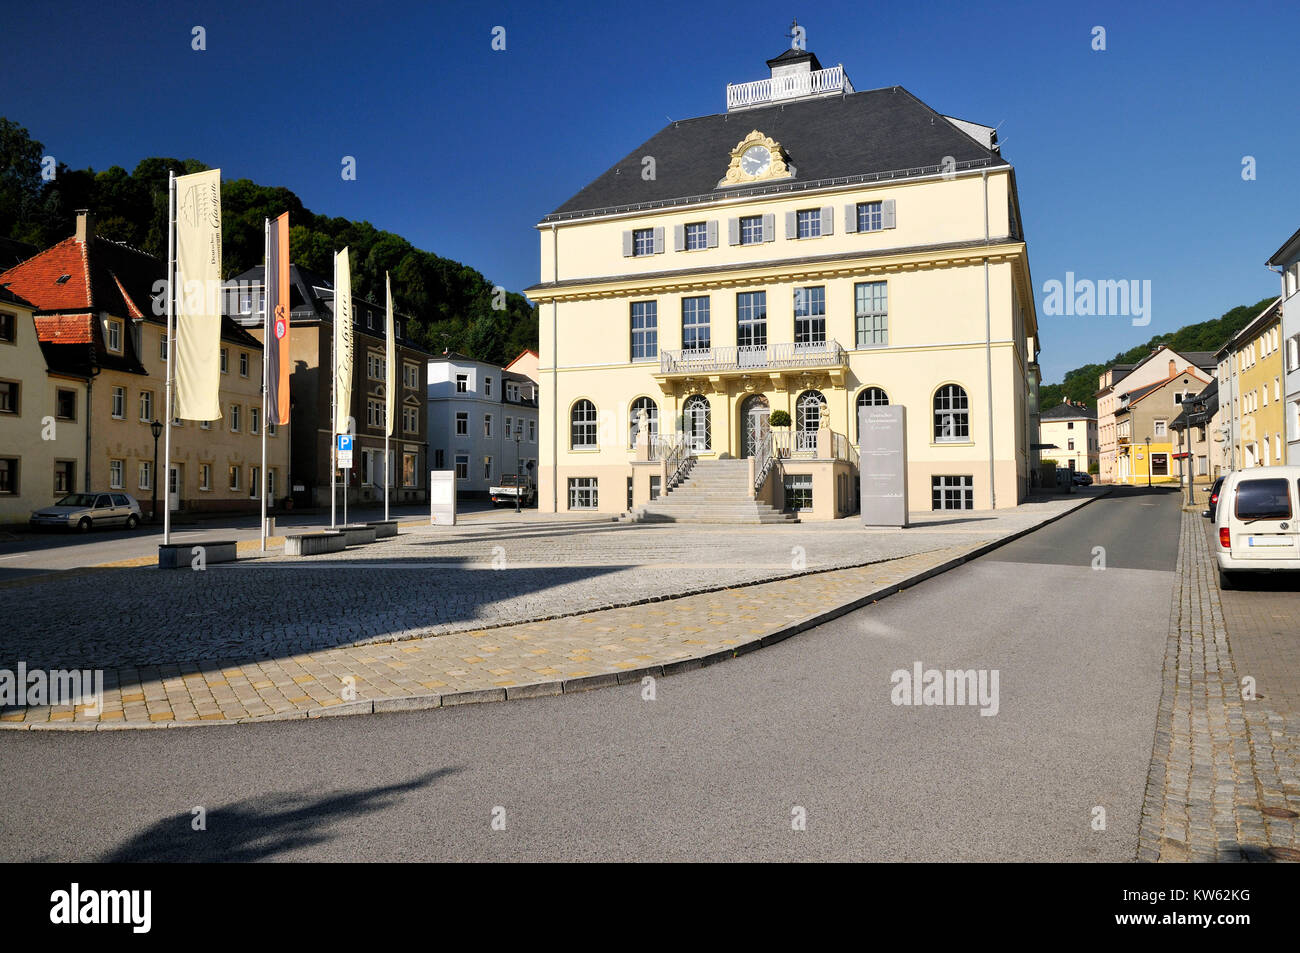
{"points": [[262, 829]]}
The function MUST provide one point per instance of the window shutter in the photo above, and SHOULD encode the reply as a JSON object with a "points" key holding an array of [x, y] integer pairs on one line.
{"points": [[828, 220], [679, 238], [659, 239], [888, 213], [791, 225], [733, 231], [627, 244], [850, 218], [769, 227], [712, 229]]}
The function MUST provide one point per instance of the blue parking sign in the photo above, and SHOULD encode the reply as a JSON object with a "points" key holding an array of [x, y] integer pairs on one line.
{"points": [[345, 443]]}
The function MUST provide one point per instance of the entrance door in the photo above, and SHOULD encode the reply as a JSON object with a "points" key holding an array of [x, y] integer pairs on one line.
{"points": [[174, 487], [695, 419], [754, 419]]}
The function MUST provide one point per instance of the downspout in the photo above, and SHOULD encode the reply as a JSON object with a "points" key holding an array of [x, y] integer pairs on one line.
{"points": [[555, 371], [988, 345]]}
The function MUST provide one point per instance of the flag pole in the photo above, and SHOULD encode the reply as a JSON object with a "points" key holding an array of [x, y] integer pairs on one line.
{"points": [[389, 370], [171, 351], [333, 414], [266, 343]]}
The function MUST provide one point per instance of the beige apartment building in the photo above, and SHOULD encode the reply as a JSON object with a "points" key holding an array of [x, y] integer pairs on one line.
{"points": [[1143, 425], [42, 418], [97, 310], [1119, 379], [812, 250], [1251, 370], [1069, 432]]}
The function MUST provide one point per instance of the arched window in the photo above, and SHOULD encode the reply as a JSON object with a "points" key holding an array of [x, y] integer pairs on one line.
{"points": [[951, 414], [869, 397], [583, 426], [808, 417], [695, 422], [652, 412]]}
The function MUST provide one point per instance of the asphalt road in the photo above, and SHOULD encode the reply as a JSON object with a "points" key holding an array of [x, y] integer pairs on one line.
{"points": [[714, 766]]}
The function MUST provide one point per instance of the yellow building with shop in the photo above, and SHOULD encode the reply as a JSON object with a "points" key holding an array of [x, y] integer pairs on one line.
{"points": [[812, 250]]}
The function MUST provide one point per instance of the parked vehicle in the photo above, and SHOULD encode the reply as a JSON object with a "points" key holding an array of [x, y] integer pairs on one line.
{"points": [[1256, 522], [510, 486], [84, 511], [1214, 498], [1082, 479]]}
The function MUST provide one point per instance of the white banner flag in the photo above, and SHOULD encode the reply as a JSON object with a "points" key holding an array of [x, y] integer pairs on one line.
{"points": [[390, 385], [342, 342], [198, 298]]}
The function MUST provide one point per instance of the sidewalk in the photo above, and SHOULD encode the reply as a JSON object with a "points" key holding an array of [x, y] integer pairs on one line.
{"points": [[1224, 781], [657, 636]]}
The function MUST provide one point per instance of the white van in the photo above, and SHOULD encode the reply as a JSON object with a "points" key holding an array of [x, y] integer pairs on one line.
{"points": [[1258, 522]]}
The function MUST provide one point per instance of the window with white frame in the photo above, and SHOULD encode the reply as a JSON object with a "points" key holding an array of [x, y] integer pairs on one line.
{"points": [[146, 405], [233, 477], [115, 336], [798, 491], [255, 420], [375, 366], [871, 309], [951, 414], [695, 323], [462, 383], [487, 387], [871, 216], [808, 223], [376, 410], [532, 431], [145, 475], [583, 426], [751, 230], [645, 330], [583, 493], [1161, 427], [411, 376], [205, 476], [487, 425], [162, 346], [410, 419], [809, 316], [225, 360], [487, 468], [243, 363], [952, 493], [115, 468], [254, 486], [643, 242], [119, 403], [236, 413], [697, 236], [462, 424], [462, 466]]}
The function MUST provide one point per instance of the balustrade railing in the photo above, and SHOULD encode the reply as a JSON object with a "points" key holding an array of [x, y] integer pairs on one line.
{"points": [[678, 454], [812, 83], [783, 356]]}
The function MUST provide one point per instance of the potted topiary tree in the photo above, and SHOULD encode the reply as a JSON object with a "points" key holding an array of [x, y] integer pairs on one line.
{"points": [[780, 420]]}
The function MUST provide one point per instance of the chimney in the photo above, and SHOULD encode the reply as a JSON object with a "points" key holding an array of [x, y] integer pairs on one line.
{"points": [[85, 225], [1172, 367]]}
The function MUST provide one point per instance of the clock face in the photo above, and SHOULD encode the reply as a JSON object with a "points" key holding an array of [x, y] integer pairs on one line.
{"points": [[756, 160]]}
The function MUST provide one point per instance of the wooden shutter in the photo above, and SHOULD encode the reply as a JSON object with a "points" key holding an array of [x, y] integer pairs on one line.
{"points": [[769, 227], [791, 225], [712, 230], [733, 231], [659, 239], [850, 218], [679, 238], [828, 220], [888, 213], [627, 245]]}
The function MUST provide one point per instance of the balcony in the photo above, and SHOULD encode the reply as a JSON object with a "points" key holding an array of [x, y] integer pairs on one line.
{"points": [[750, 359], [763, 91]]}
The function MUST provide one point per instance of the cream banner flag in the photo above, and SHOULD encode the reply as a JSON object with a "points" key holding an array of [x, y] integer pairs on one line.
{"points": [[198, 295], [342, 342], [390, 385]]}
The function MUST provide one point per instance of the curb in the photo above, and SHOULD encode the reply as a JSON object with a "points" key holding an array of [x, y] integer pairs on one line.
{"points": [[570, 686]]}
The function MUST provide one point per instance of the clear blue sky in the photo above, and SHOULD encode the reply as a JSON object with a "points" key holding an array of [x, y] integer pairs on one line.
{"points": [[1128, 160]]}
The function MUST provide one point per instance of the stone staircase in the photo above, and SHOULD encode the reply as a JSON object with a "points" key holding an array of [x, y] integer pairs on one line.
{"points": [[715, 491]]}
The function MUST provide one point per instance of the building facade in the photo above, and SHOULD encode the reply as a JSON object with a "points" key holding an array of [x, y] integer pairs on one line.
{"points": [[311, 351], [1114, 462], [1287, 261], [100, 314], [42, 418], [1072, 429], [1194, 430], [1250, 368], [1143, 416], [813, 250], [476, 410]]}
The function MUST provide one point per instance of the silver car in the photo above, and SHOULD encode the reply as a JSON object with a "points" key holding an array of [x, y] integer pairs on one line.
{"points": [[84, 511]]}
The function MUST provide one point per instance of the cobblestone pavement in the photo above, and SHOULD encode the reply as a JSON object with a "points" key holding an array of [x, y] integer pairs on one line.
{"points": [[435, 580], [260, 680], [1224, 782]]}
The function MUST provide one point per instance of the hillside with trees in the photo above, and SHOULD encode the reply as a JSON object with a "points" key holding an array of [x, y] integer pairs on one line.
{"points": [[449, 304], [1080, 384]]}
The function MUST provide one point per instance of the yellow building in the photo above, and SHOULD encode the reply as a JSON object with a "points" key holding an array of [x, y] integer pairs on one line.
{"points": [[42, 418], [1250, 392], [812, 250], [1143, 425]]}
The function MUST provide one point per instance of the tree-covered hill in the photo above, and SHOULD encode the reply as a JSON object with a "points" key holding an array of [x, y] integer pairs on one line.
{"points": [[1080, 384], [449, 304]]}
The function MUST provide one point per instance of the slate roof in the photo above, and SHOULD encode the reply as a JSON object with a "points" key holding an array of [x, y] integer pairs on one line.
{"points": [[1067, 411], [876, 132]]}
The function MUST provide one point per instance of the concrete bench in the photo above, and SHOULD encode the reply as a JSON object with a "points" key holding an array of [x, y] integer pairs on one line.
{"points": [[384, 528], [184, 555], [313, 544], [358, 533]]}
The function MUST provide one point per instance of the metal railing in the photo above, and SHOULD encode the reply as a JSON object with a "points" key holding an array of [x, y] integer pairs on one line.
{"points": [[812, 83], [678, 454], [785, 356], [764, 460]]}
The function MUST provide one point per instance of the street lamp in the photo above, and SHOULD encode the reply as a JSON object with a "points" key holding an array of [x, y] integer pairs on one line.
{"points": [[1148, 461], [519, 467], [156, 428]]}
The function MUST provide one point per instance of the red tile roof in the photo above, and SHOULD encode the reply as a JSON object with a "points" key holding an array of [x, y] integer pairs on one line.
{"points": [[63, 328], [37, 278]]}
